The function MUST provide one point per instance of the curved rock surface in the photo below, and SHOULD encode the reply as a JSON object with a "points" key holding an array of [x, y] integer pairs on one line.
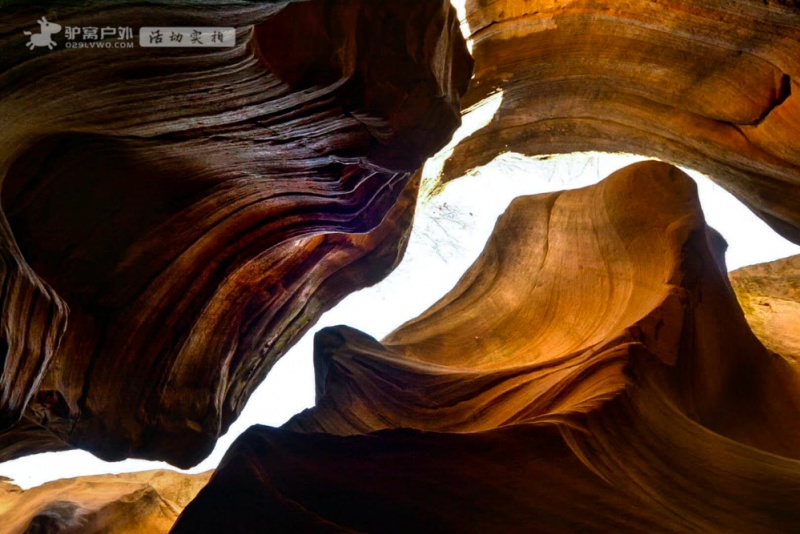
{"points": [[592, 371], [770, 297], [706, 84], [173, 220], [147, 502]]}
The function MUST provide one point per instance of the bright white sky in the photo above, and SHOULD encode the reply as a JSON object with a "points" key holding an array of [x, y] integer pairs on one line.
{"points": [[449, 233]]}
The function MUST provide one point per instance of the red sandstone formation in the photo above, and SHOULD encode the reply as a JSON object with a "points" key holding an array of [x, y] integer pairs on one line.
{"points": [[171, 223], [592, 371], [708, 84], [133, 503], [770, 297], [173, 220]]}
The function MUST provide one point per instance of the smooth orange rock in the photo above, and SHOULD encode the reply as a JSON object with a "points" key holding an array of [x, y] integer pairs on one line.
{"points": [[770, 296], [592, 371], [197, 210], [147, 502], [706, 84]]}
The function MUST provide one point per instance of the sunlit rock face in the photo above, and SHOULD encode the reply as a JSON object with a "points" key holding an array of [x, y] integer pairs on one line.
{"points": [[770, 297], [707, 84], [147, 502], [592, 371], [174, 220]]}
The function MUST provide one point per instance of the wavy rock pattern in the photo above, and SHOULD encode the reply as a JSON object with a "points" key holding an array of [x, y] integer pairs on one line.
{"points": [[592, 371], [770, 296], [706, 84], [147, 502], [196, 211]]}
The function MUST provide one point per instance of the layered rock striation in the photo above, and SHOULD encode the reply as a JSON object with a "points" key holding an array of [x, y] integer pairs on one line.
{"points": [[706, 84], [174, 219], [592, 371]]}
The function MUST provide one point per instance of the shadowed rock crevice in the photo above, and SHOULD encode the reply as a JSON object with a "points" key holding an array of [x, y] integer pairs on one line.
{"points": [[784, 92]]}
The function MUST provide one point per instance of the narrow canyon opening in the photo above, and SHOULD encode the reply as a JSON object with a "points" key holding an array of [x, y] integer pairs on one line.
{"points": [[451, 226]]}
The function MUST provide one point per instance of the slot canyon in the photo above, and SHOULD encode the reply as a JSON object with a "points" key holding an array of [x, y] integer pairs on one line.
{"points": [[174, 220]]}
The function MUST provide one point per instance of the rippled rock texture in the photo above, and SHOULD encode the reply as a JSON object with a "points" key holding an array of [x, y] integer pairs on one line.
{"points": [[173, 220], [592, 371], [711, 85], [147, 502], [770, 296]]}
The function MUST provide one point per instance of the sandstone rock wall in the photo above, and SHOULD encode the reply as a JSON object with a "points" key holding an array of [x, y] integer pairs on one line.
{"points": [[591, 372], [173, 220], [707, 84], [147, 502], [770, 297]]}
